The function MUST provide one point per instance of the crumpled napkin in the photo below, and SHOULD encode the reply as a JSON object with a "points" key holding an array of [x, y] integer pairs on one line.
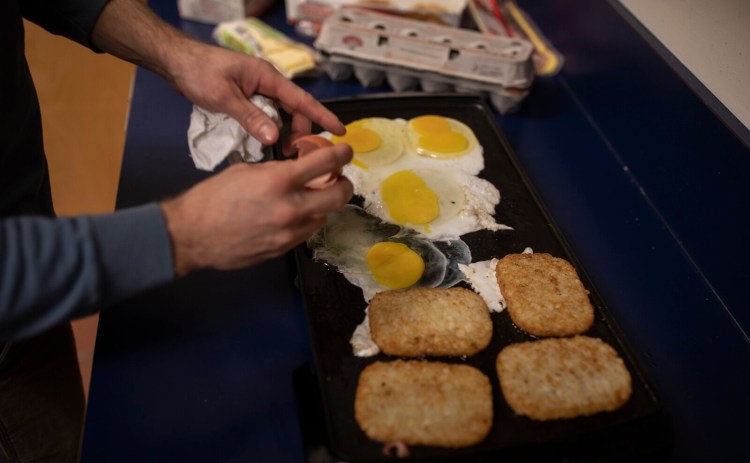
{"points": [[212, 137]]}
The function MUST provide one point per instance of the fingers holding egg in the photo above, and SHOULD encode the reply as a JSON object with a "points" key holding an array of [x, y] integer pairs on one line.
{"points": [[307, 144]]}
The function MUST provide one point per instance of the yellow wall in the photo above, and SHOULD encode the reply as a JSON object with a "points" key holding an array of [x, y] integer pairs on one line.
{"points": [[84, 99]]}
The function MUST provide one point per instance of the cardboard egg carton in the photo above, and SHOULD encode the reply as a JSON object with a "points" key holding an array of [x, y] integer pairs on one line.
{"points": [[410, 54]]}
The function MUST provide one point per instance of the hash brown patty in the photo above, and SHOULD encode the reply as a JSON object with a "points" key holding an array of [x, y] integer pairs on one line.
{"points": [[544, 295], [558, 378], [420, 402], [430, 321]]}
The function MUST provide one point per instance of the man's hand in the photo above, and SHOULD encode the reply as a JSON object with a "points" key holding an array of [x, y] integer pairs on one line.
{"points": [[251, 213], [221, 80], [214, 78], [248, 213]]}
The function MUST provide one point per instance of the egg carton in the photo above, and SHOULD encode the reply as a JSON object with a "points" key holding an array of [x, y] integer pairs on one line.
{"points": [[410, 54]]}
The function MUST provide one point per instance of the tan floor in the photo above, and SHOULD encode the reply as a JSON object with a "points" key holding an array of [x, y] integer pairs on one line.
{"points": [[85, 100]]}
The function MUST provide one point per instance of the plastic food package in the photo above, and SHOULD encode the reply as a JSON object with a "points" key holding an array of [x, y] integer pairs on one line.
{"points": [[506, 19], [254, 37]]}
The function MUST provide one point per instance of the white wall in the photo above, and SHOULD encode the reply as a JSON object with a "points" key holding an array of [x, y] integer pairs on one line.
{"points": [[710, 38]]}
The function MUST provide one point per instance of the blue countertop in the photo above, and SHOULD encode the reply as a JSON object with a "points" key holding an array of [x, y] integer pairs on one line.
{"points": [[642, 178]]}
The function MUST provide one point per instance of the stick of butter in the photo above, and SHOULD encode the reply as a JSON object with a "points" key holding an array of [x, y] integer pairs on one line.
{"points": [[256, 38]]}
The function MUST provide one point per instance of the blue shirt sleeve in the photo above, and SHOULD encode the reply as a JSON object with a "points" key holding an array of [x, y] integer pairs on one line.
{"points": [[54, 270], [74, 19]]}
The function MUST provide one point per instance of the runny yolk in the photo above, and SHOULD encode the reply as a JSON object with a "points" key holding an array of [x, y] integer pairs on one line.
{"points": [[359, 137], [437, 136], [444, 143], [409, 200], [430, 124], [394, 265]]}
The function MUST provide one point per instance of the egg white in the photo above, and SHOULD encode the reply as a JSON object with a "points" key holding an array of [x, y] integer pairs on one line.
{"points": [[390, 132], [482, 278]]}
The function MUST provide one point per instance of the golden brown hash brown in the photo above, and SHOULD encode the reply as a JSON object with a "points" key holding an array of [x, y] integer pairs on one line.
{"points": [[563, 377], [430, 321], [544, 295], [419, 402]]}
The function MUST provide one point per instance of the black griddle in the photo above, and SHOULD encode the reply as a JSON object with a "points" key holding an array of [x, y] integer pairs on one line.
{"points": [[334, 308]]}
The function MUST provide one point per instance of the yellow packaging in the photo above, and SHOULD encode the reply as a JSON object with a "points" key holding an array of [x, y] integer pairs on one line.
{"points": [[254, 37]]}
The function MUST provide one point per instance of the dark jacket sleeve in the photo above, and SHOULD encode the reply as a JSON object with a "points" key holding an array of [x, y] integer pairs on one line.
{"points": [[74, 19], [54, 270]]}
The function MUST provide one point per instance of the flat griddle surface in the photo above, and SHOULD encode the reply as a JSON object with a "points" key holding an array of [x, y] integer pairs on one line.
{"points": [[334, 308]]}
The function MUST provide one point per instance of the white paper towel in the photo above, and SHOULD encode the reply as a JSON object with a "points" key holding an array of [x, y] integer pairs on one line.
{"points": [[212, 137]]}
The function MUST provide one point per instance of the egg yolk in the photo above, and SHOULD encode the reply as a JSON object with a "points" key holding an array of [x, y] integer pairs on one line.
{"points": [[394, 265], [359, 137], [430, 124], [437, 137], [408, 198]]}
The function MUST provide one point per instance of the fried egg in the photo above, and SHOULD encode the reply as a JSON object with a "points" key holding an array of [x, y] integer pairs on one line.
{"points": [[376, 141], [377, 256], [439, 203], [440, 137]]}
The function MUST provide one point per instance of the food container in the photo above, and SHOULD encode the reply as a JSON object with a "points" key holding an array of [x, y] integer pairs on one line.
{"points": [[314, 12], [216, 11], [412, 54]]}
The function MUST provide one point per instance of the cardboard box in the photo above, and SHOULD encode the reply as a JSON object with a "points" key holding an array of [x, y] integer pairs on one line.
{"points": [[445, 12], [216, 11]]}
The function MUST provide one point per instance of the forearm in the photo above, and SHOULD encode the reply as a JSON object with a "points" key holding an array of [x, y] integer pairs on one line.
{"points": [[129, 30], [53, 270]]}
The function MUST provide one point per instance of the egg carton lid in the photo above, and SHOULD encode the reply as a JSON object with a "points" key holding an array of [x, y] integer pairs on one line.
{"points": [[359, 19], [360, 36]]}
